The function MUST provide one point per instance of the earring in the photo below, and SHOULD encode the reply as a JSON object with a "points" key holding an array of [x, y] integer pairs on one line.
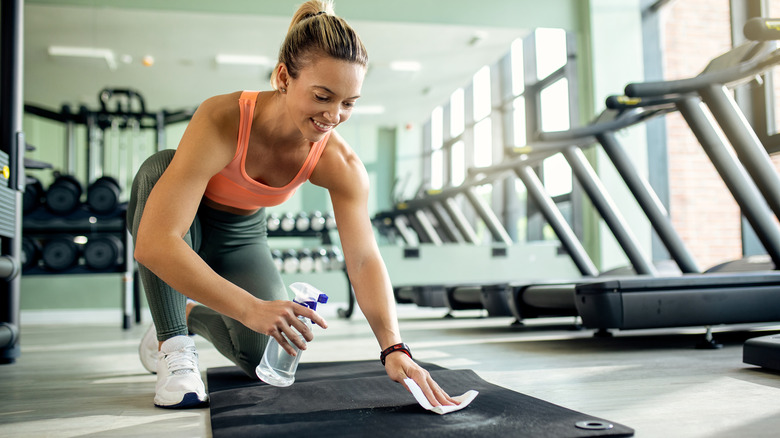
{"points": [[283, 90]]}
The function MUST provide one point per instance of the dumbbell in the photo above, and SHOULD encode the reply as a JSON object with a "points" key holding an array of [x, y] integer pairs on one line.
{"points": [[31, 253], [317, 221], [321, 263], [103, 195], [302, 222], [290, 262], [335, 258], [103, 251], [63, 195], [276, 255], [33, 194], [60, 253], [305, 261], [330, 221], [288, 222], [272, 222]]}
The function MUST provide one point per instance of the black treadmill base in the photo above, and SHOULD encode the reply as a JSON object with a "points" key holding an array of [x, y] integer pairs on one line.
{"points": [[763, 351], [689, 300]]}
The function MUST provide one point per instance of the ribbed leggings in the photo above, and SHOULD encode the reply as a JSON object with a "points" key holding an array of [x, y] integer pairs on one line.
{"points": [[235, 246]]}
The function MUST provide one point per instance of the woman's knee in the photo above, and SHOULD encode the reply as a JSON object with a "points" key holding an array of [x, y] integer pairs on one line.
{"points": [[250, 347]]}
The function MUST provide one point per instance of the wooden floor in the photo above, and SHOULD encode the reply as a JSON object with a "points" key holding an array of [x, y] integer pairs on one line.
{"points": [[83, 380]]}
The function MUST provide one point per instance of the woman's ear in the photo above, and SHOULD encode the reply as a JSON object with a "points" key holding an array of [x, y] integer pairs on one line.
{"points": [[281, 76]]}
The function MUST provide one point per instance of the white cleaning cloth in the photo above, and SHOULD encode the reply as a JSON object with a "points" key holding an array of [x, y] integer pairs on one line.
{"points": [[463, 400]]}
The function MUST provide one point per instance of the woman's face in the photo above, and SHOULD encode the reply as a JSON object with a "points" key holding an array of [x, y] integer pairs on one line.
{"points": [[323, 95]]}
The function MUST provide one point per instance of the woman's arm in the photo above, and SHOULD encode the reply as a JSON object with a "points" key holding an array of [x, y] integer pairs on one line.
{"points": [[207, 145], [343, 174]]}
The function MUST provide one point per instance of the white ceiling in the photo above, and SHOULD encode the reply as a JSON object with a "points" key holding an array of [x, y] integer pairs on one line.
{"points": [[184, 45]]}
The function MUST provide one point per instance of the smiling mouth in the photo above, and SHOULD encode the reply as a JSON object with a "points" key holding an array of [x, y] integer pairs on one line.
{"points": [[322, 126]]}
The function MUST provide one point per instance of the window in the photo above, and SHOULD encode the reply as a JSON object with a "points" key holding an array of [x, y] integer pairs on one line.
{"points": [[457, 113], [457, 163], [437, 140], [518, 69], [437, 169], [483, 143], [550, 50], [518, 120], [482, 93], [554, 101], [529, 103]]}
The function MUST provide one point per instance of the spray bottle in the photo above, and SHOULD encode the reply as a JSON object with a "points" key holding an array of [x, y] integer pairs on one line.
{"points": [[277, 367]]}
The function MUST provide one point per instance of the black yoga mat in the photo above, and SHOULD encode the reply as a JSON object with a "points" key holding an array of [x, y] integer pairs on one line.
{"points": [[357, 399]]}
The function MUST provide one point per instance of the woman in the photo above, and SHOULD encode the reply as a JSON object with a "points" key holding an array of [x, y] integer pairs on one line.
{"points": [[198, 218]]}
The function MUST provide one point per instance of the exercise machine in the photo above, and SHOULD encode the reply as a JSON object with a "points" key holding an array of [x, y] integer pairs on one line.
{"points": [[555, 296], [12, 180], [707, 299]]}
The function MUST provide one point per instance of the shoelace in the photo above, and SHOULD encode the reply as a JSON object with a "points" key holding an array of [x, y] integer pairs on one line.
{"points": [[182, 361]]}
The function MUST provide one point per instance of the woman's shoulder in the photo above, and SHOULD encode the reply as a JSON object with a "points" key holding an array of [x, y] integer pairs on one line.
{"points": [[218, 114], [338, 164], [220, 106], [213, 127], [338, 148]]}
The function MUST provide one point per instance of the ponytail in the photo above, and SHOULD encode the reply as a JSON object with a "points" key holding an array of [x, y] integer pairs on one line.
{"points": [[316, 31]]}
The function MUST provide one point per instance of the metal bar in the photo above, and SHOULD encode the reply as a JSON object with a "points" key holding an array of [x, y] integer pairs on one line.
{"points": [[427, 227], [608, 210], [446, 227], [618, 121], [556, 220], [12, 143], [748, 147], [128, 279], [9, 334], [488, 216], [460, 221], [94, 135], [70, 146], [433, 195], [648, 200], [750, 59], [402, 225], [9, 267], [740, 185], [415, 225]]}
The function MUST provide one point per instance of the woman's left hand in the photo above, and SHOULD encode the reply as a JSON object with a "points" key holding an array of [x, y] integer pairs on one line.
{"points": [[399, 366]]}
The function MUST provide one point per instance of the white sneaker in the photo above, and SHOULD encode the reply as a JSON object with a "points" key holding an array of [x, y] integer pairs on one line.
{"points": [[148, 350], [179, 384]]}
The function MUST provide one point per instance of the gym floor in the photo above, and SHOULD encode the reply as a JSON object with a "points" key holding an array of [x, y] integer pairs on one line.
{"points": [[78, 379]]}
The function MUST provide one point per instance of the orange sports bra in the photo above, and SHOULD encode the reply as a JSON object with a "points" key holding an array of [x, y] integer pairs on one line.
{"points": [[233, 187]]}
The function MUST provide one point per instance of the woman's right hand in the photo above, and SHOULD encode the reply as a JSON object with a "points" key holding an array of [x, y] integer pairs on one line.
{"points": [[273, 318]]}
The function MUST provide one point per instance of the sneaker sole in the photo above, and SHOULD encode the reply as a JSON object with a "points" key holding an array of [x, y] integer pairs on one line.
{"points": [[190, 400]]}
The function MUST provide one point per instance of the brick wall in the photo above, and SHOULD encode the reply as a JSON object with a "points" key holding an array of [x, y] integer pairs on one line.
{"points": [[703, 211]]}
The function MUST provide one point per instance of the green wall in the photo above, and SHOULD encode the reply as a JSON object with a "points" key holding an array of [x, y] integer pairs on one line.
{"points": [[500, 13]]}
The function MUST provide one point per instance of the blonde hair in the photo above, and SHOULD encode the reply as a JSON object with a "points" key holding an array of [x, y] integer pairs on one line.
{"points": [[316, 31]]}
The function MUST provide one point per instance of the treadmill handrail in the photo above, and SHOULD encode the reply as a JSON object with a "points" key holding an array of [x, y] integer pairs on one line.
{"points": [[758, 58], [623, 119], [433, 195]]}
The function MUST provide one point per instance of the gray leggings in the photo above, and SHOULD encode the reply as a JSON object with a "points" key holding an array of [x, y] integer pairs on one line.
{"points": [[235, 246]]}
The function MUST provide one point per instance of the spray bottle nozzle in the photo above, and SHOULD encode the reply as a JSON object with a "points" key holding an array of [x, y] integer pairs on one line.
{"points": [[307, 295], [312, 304]]}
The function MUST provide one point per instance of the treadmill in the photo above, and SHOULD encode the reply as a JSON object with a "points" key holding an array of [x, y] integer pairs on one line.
{"points": [[711, 298], [555, 297]]}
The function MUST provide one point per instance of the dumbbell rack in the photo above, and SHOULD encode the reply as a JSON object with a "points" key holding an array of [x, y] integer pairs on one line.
{"points": [[42, 226], [324, 237]]}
